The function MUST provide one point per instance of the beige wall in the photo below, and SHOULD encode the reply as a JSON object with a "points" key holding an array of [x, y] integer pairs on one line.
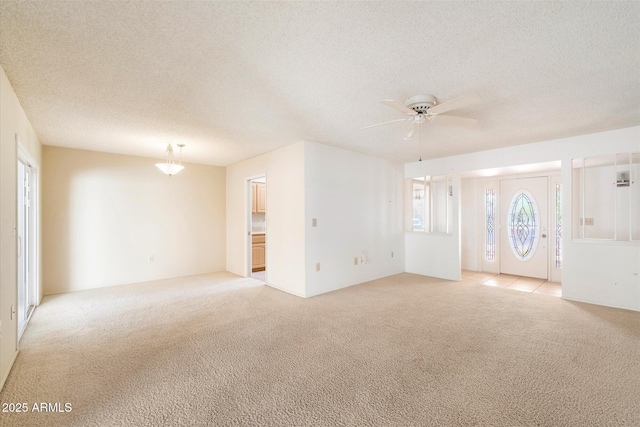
{"points": [[104, 215], [13, 121]]}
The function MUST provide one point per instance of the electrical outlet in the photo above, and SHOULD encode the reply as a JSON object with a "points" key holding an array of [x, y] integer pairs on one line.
{"points": [[391, 254], [588, 221], [314, 222], [317, 266], [152, 259], [355, 261]]}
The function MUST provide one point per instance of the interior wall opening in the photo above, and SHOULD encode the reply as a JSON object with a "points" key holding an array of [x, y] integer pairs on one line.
{"points": [[511, 227], [257, 226]]}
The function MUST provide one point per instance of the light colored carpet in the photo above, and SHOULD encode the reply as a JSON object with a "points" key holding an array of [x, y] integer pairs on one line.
{"points": [[405, 350]]}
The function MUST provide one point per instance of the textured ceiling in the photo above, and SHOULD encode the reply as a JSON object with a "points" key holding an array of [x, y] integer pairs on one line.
{"points": [[233, 80]]}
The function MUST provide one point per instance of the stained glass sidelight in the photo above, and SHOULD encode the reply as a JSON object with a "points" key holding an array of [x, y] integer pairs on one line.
{"points": [[490, 217], [558, 225], [523, 225]]}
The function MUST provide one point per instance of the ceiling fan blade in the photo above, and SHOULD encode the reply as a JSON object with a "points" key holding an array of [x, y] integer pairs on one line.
{"points": [[397, 106], [454, 120], [459, 102], [386, 123]]}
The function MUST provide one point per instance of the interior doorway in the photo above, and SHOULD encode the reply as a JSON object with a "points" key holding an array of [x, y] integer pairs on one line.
{"points": [[26, 241], [257, 228]]}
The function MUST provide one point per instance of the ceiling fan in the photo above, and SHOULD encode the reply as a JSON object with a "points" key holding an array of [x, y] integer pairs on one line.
{"points": [[421, 108]]}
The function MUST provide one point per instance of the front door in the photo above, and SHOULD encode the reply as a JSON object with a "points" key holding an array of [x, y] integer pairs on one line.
{"points": [[524, 227]]}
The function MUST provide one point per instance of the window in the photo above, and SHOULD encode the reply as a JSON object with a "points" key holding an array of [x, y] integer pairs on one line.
{"points": [[634, 196], [522, 225], [606, 197], [594, 208], [490, 224], [431, 203], [420, 195]]}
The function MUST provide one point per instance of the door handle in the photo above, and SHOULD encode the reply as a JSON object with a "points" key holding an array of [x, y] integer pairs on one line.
{"points": [[544, 236]]}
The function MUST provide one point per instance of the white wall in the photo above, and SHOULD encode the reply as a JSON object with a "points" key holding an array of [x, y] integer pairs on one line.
{"points": [[437, 254], [357, 202], [356, 199], [470, 238], [589, 270], [13, 121], [284, 169], [104, 215], [602, 273], [599, 203]]}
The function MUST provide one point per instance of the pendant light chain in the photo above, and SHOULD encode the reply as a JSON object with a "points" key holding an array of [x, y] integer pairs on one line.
{"points": [[420, 140]]}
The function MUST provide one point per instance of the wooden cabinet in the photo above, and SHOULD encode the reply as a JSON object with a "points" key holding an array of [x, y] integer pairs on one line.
{"points": [[258, 241], [254, 197], [258, 252], [261, 196], [258, 197]]}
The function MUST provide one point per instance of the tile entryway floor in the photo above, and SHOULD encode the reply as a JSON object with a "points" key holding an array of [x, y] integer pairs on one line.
{"points": [[519, 283]]}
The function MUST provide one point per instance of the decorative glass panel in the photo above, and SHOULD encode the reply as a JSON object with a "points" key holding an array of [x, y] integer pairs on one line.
{"points": [[523, 225], [558, 225], [490, 218]]}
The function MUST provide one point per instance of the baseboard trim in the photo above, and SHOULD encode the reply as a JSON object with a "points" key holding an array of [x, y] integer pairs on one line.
{"points": [[6, 374], [583, 301], [66, 291], [285, 290], [326, 291]]}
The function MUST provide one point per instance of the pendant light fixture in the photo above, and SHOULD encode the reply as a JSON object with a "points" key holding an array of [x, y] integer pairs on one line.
{"points": [[170, 167]]}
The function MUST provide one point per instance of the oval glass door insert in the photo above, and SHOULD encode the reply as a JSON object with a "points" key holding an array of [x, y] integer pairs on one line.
{"points": [[523, 225]]}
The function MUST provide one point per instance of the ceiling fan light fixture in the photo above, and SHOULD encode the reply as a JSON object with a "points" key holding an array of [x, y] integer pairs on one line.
{"points": [[170, 167], [427, 107], [421, 103]]}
